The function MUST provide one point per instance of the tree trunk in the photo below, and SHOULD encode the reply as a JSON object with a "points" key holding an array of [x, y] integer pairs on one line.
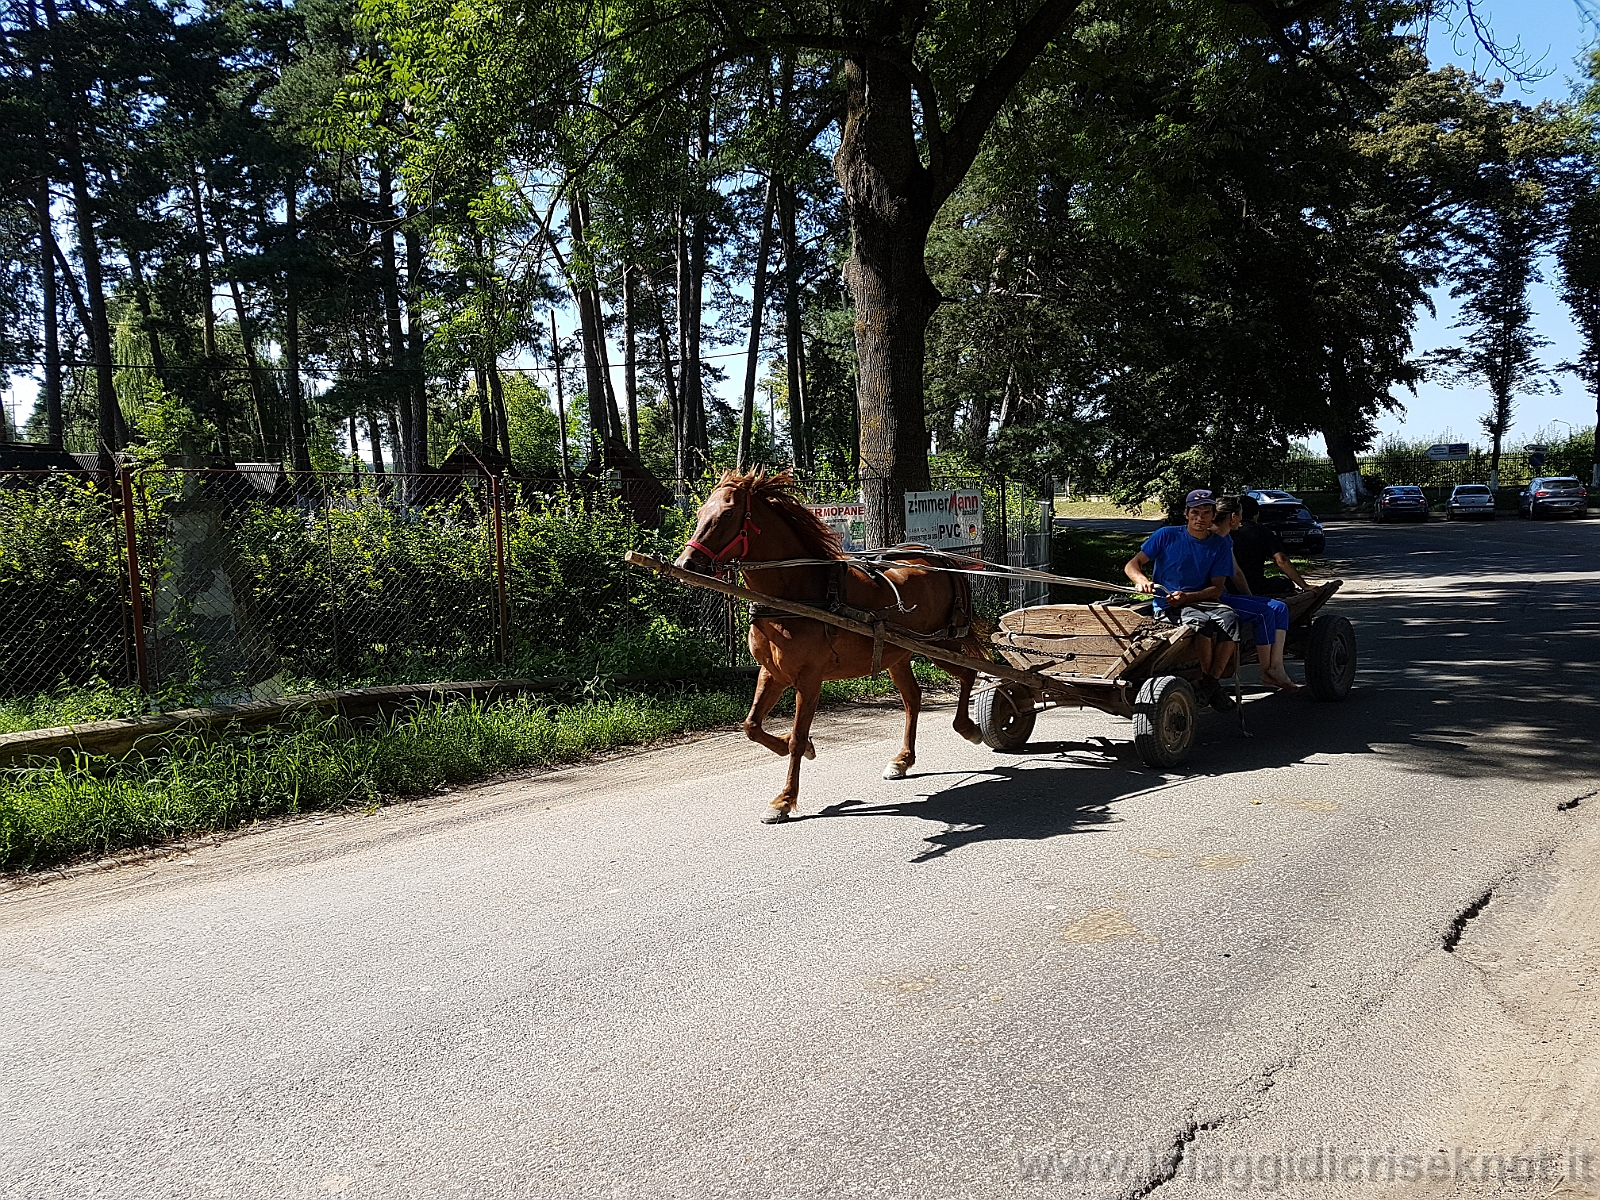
{"points": [[613, 416], [107, 411], [601, 415], [355, 451], [1497, 424], [416, 344], [208, 316], [141, 298], [208, 323], [375, 436], [109, 426], [497, 401], [299, 444], [794, 342], [758, 304], [487, 437], [1594, 473], [699, 237], [259, 387], [561, 403], [398, 357], [52, 335], [890, 200], [685, 427], [630, 359], [674, 403]]}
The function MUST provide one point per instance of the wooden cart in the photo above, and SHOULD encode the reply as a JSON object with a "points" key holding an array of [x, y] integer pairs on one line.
{"points": [[1120, 659]]}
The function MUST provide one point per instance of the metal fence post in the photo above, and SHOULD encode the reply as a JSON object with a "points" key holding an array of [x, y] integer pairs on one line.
{"points": [[135, 581], [500, 570]]}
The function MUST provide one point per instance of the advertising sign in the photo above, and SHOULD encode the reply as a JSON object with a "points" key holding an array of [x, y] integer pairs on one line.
{"points": [[848, 519], [1449, 452], [945, 520]]}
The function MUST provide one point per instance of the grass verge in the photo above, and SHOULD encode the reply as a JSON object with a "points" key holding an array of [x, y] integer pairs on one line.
{"points": [[98, 806]]}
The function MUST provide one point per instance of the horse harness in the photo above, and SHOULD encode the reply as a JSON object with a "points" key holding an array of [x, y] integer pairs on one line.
{"points": [[874, 569]]}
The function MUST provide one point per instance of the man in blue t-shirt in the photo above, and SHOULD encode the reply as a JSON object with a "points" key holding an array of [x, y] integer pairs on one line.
{"points": [[1191, 567]]}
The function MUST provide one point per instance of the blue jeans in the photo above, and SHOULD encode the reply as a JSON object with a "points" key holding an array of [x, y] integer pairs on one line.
{"points": [[1267, 615]]}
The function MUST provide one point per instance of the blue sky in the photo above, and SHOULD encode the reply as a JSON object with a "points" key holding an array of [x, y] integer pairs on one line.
{"points": [[1554, 34]]}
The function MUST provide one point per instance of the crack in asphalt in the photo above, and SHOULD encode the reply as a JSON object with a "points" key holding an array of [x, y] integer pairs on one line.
{"points": [[1458, 924], [1166, 1163], [1569, 805]]}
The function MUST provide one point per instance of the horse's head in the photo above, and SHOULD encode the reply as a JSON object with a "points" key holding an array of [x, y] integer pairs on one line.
{"points": [[724, 527]]}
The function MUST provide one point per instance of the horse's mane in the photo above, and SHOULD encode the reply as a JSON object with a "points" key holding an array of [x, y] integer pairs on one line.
{"points": [[778, 490]]}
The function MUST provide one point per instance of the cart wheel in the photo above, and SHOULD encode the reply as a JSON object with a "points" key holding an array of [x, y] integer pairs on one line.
{"points": [[1331, 657], [1005, 717], [1164, 720]]}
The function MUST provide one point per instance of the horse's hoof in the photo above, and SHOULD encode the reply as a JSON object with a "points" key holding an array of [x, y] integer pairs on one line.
{"points": [[775, 816], [811, 750], [894, 771], [973, 735]]}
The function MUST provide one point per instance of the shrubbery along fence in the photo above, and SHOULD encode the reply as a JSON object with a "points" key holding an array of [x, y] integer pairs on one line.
{"points": [[213, 584]]}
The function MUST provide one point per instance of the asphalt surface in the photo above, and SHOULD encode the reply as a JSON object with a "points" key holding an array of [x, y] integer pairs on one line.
{"points": [[612, 981]]}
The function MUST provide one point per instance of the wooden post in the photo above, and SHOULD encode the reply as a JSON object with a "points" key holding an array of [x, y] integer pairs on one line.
{"points": [[135, 581], [500, 570]]}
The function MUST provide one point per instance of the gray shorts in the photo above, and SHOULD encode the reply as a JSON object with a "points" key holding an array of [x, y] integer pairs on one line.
{"points": [[1215, 621]]}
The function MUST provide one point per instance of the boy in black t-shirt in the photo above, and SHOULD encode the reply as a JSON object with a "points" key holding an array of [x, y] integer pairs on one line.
{"points": [[1253, 544]]}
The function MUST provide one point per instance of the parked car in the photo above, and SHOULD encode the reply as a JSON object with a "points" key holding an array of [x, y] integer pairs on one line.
{"points": [[1295, 526], [1272, 496], [1553, 495], [1402, 502], [1471, 500]]}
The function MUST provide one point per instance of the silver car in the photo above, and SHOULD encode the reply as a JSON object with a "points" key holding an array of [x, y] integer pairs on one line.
{"points": [[1471, 500]]}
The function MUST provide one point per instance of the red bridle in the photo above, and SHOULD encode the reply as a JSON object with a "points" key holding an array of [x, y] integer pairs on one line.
{"points": [[739, 546]]}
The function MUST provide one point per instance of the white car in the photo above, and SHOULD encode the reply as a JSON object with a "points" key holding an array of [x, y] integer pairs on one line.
{"points": [[1471, 500]]}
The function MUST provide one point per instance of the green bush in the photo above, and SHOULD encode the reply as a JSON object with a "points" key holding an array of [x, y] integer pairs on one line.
{"points": [[61, 607]]}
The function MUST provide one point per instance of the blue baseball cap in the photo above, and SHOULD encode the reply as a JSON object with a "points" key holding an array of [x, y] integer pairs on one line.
{"points": [[1199, 497]]}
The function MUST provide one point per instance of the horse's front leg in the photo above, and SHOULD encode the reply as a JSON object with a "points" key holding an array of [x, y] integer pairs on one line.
{"points": [[807, 691], [964, 724], [905, 682], [769, 690]]}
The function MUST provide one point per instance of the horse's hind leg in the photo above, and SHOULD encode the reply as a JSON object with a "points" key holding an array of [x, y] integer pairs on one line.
{"points": [[905, 682], [807, 691], [769, 690], [964, 724]]}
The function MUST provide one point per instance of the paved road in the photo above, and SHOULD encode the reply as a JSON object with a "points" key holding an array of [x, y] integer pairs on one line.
{"points": [[613, 982]]}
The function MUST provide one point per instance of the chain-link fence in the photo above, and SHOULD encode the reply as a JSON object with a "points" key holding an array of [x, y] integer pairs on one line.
{"points": [[213, 584], [64, 612]]}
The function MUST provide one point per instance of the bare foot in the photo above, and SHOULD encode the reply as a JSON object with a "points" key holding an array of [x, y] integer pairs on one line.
{"points": [[1279, 680]]}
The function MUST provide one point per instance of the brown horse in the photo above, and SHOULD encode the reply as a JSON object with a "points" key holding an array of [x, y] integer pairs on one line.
{"points": [[756, 518]]}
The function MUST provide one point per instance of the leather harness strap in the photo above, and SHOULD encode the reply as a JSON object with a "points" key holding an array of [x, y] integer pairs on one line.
{"points": [[960, 625]]}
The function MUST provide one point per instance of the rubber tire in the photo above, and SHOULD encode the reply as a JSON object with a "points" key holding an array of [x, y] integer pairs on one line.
{"points": [[1005, 722], [1331, 657], [1165, 714]]}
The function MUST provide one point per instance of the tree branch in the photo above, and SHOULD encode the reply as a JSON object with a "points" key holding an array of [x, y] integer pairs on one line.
{"points": [[978, 113]]}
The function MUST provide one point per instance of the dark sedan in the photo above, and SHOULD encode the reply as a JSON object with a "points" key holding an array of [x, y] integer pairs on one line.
{"points": [[1402, 502], [1555, 495], [1295, 527]]}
